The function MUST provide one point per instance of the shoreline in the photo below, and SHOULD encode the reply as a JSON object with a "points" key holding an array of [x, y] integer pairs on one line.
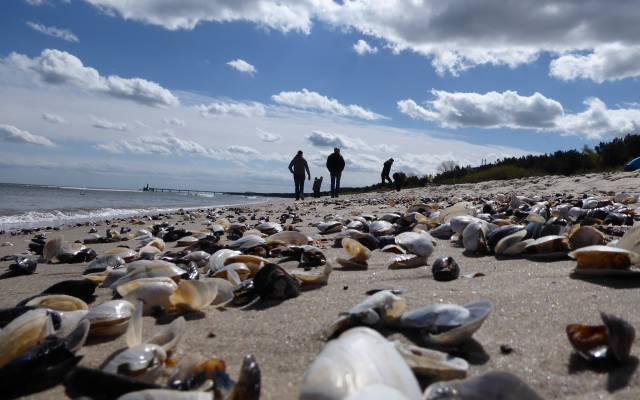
{"points": [[534, 300]]}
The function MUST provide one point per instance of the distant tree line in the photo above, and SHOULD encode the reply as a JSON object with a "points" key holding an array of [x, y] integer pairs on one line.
{"points": [[604, 156]]}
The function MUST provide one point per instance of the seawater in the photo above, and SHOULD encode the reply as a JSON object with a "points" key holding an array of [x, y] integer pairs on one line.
{"points": [[30, 206]]}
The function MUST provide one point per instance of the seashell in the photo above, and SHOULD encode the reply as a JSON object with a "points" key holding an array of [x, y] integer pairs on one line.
{"points": [[460, 222], [223, 222], [492, 385], [393, 248], [359, 254], [110, 318], [289, 237], [445, 269], [357, 225], [507, 244], [390, 217], [269, 228], [102, 263], [154, 293], [496, 235], [432, 364], [583, 236], [315, 277], [405, 261], [326, 228], [233, 270], [381, 228], [613, 340], [273, 282], [381, 307], [254, 263], [52, 248], [165, 394], [447, 324], [125, 253], [550, 244], [247, 242], [248, 385], [474, 237], [23, 265], [148, 269], [463, 208], [443, 231], [24, 333], [149, 253], [631, 240], [194, 295], [217, 259], [371, 363], [58, 302], [186, 241], [157, 243], [420, 244], [225, 292], [604, 257]]}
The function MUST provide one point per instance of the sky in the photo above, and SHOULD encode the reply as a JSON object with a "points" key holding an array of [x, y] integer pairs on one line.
{"points": [[220, 94]]}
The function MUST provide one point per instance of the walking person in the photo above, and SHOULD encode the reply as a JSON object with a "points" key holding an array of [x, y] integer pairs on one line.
{"points": [[298, 166], [335, 165], [386, 168]]}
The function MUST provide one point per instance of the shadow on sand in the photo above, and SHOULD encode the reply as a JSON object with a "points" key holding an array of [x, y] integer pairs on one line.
{"points": [[618, 374]]}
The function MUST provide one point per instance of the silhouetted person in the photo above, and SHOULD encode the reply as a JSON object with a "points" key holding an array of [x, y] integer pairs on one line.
{"points": [[398, 180], [386, 168], [298, 166], [317, 184], [335, 165]]}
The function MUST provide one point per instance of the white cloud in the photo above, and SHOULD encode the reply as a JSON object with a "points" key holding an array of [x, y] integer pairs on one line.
{"points": [[314, 101], [59, 33], [455, 35], [607, 63], [59, 67], [164, 143], [35, 2], [510, 110], [174, 121], [242, 66], [243, 150], [325, 139], [54, 119], [268, 136], [102, 123], [362, 47], [233, 108], [10, 133]]}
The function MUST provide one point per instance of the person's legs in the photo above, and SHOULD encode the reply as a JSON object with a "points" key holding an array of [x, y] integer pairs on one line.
{"points": [[337, 188], [299, 182], [302, 187], [333, 185]]}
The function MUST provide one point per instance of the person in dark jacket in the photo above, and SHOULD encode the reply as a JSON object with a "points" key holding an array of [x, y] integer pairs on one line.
{"points": [[317, 184], [335, 165], [298, 166], [386, 168], [398, 180]]}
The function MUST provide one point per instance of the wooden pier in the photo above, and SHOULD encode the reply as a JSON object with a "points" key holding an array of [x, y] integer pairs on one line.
{"points": [[169, 190]]}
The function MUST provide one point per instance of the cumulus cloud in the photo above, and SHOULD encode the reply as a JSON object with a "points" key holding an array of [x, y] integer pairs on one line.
{"points": [[102, 123], [455, 35], [511, 110], [325, 139], [362, 47], [54, 119], [59, 67], [314, 101], [10, 133], [268, 136], [242, 150], [490, 110], [59, 33], [233, 108], [174, 121], [242, 66], [607, 63]]}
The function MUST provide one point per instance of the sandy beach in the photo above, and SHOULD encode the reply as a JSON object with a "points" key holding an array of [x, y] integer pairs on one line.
{"points": [[534, 300]]}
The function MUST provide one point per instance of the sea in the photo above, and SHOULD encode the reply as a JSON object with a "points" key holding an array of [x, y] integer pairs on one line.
{"points": [[31, 206]]}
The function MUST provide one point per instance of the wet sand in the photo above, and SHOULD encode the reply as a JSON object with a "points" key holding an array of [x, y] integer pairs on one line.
{"points": [[534, 301]]}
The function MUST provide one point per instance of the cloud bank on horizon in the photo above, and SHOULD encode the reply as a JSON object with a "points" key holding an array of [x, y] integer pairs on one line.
{"points": [[423, 81]]}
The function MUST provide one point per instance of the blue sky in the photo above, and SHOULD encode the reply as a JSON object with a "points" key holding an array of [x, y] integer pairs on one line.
{"points": [[441, 80]]}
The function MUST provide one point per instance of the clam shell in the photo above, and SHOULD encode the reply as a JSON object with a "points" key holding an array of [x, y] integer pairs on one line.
{"points": [[165, 394], [495, 236], [110, 318], [254, 263], [194, 295], [405, 261], [217, 259], [24, 333], [314, 277], [460, 222], [125, 253], [149, 269], [52, 248], [153, 292], [474, 237], [247, 242], [585, 236], [330, 227], [144, 361], [603, 257], [358, 252], [443, 231], [492, 385], [367, 360], [420, 244], [548, 244], [432, 364], [504, 245], [58, 302], [102, 263], [381, 227], [290, 238], [225, 292]]}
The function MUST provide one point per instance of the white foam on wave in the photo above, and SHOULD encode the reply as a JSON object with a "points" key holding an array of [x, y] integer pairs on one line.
{"points": [[34, 219]]}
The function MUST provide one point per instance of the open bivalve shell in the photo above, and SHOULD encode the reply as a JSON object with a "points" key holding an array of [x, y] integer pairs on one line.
{"points": [[611, 341]]}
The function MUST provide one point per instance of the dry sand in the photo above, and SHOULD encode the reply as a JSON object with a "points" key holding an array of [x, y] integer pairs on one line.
{"points": [[534, 301]]}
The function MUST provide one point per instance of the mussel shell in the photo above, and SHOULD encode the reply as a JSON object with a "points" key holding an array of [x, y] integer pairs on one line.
{"points": [[274, 283], [58, 302], [492, 385], [445, 269], [611, 341], [500, 233], [443, 231], [23, 266], [82, 289]]}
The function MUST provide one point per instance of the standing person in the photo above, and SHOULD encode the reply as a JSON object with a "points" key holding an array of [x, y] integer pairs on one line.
{"points": [[298, 166], [398, 180], [335, 165], [386, 168], [317, 184]]}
